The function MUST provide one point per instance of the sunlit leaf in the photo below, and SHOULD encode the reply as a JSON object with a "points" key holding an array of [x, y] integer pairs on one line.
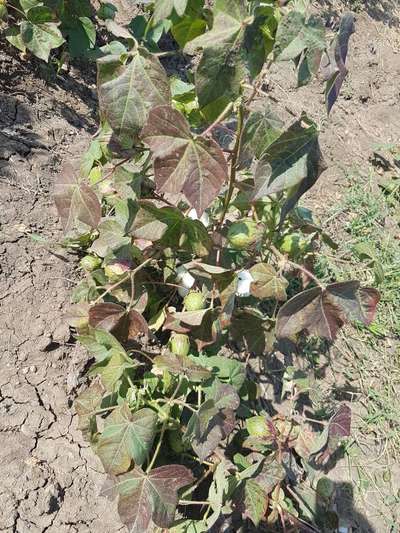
{"points": [[126, 437], [86, 405], [322, 312], [328, 442], [111, 369], [255, 501], [163, 9], [143, 497], [188, 29], [127, 91], [267, 282], [262, 128], [194, 166], [41, 38], [182, 365], [75, 201]]}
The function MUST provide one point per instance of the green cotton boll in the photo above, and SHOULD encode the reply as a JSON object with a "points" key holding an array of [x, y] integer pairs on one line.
{"points": [[90, 263], [179, 344], [243, 234], [194, 301]]}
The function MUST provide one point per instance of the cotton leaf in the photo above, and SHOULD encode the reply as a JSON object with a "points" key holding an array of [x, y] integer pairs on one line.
{"points": [[40, 39], [85, 406], [322, 312], [163, 9], [267, 283], [338, 427], [127, 91], [182, 365], [145, 497], [255, 501], [126, 437], [194, 166]]}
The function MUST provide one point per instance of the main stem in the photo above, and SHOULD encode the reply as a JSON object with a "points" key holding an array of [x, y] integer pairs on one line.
{"points": [[234, 163]]}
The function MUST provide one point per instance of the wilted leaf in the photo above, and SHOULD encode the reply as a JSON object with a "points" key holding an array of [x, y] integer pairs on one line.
{"points": [[85, 406], [184, 164], [182, 365], [126, 437], [323, 312], [267, 282], [153, 496], [192, 318], [255, 501], [75, 202], [127, 91], [333, 64], [291, 159]]}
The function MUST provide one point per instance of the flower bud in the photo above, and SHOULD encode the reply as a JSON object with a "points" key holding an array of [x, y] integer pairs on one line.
{"points": [[243, 234], [90, 263], [179, 344], [194, 301]]}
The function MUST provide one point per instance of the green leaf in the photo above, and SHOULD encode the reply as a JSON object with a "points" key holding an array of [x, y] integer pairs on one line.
{"points": [[111, 369], [262, 128], [195, 166], [126, 437], [267, 282], [322, 312], [40, 39], [128, 90], [226, 369], [222, 66], [13, 36], [111, 237], [171, 227], [253, 331], [188, 29], [163, 9], [255, 501], [290, 160], [149, 496], [182, 365], [85, 405], [39, 15]]}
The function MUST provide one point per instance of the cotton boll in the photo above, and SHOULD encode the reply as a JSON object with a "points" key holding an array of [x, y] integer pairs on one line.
{"points": [[205, 219], [187, 281], [244, 281]]}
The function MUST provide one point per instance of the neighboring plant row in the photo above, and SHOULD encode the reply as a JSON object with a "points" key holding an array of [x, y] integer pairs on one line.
{"points": [[198, 264]]}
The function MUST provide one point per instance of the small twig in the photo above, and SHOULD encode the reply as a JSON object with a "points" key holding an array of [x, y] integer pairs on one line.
{"points": [[189, 502], [309, 274], [198, 482]]}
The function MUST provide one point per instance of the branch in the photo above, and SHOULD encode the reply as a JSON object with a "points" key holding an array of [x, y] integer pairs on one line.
{"points": [[309, 274], [219, 119]]}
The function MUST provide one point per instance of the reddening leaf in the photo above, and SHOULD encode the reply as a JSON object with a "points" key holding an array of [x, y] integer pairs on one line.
{"points": [[214, 420], [338, 427], [128, 90], [192, 318], [194, 166], [182, 365], [322, 312], [115, 318], [126, 437], [255, 501], [41, 38], [290, 160], [85, 406], [170, 226], [254, 332], [75, 202], [267, 282], [333, 64], [143, 497], [270, 474]]}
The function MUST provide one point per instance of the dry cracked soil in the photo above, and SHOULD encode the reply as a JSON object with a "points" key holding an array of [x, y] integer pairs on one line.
{"points": [[50, 479]]}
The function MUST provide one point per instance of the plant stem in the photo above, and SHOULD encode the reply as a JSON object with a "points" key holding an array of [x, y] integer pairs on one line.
{"points": [[198, 482], [309, 274], [164, 427], [189, 502], [234, 162], [125, 278], [219, 119]]}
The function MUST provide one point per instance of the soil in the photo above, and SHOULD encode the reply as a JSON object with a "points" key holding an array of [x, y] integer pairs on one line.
{"points": [[51, 480]]}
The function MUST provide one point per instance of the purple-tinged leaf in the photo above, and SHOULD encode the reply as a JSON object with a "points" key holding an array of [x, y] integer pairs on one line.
{"points": [[86, 405], [114, 318], [322, 312], [267, 282], [255, 501], [329, 441], [194, 166], [333, 65], [126, 437], [149, 496], [75, 202]]}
